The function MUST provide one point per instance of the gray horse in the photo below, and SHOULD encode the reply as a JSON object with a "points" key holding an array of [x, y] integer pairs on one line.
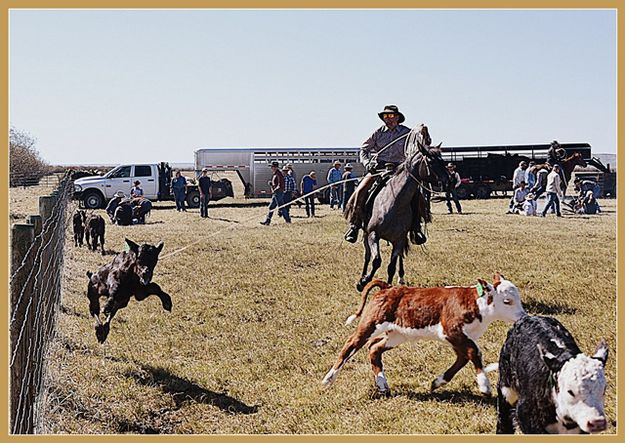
{"points": [[404, 199]]}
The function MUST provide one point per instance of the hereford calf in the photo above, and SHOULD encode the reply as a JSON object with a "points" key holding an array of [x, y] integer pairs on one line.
{"points": [[129, 274], [94, 230], [547, 383], [455, 315], [78, 221]]}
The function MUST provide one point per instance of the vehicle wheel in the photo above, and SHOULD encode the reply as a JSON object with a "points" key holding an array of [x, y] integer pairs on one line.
{"points": [[462, 192], [93, 200], [193, 199], [324, 196], [482, 191]]}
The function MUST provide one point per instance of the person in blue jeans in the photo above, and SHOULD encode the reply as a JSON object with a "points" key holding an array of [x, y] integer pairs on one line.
{"points": [[277, 194], [553, 191], [307, 186], [204, 185], [336, 191], [179, 188]]}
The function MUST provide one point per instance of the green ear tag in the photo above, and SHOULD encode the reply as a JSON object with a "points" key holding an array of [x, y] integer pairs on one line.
{"points": [[480, 289]]}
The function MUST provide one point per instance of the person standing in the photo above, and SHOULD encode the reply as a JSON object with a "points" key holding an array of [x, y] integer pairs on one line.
{"points": [[334, 176], [451, 193], [307, 186], [530, 175], [541, 182], [289, 192], [518, 175], [179, 188], [349, 184], [277, 193], [384, 146], [553, 191], [204, 185]]}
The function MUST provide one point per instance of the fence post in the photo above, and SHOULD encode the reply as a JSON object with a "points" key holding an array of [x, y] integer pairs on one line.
{"points": [[21, 239]]}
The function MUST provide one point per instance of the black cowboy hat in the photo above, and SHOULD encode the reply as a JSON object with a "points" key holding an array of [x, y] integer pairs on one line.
{"points": [[391, 109], [275, 165]]}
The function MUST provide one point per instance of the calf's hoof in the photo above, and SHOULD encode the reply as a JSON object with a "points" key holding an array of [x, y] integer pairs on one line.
{"points": [[101, 332], [167, 305], [437, 383]]}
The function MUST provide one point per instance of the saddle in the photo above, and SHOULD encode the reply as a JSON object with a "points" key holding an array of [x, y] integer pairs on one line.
{"points": [[416, 236]]}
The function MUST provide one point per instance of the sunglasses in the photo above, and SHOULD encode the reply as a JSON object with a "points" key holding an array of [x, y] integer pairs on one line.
{"points": [[389, 115]]}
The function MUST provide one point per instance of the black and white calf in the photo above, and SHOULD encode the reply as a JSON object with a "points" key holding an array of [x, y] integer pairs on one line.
{"points": [[547, 383]]}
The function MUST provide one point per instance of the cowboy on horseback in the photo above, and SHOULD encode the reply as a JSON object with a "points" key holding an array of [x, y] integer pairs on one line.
{"points": [[383, 151]]}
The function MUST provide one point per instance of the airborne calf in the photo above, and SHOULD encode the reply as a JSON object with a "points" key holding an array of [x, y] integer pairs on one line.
{"points": [[547, 383], [129, 274], [94, 231], [78, 222], [455, 315]]}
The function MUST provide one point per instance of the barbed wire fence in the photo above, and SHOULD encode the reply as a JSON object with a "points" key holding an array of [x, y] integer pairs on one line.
{"points": [[35, 285]]}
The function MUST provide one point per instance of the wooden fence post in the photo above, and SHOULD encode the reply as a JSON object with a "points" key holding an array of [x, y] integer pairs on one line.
{"points": [[21, 239]]}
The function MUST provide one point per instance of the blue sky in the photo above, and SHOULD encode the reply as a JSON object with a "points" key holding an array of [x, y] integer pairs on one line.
{"points": [[112, 86]]}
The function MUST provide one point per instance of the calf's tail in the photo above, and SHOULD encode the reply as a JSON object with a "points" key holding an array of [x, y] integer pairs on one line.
{"points": [[365, 292]]}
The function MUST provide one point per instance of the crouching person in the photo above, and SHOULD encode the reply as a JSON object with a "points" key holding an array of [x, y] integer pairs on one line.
{"points": [[141, 207], [547, 383], [123, 213]]}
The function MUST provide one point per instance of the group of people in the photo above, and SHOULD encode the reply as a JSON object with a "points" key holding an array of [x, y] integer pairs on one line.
{"points": [[342, 185], [179, 186], [530, 181], [124, 211]]}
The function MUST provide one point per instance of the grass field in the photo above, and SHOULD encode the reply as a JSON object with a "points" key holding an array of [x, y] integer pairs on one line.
{"points": [[258, 320]]}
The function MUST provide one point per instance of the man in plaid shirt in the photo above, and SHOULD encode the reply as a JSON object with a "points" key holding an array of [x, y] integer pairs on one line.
{"points": [[289, 192]]}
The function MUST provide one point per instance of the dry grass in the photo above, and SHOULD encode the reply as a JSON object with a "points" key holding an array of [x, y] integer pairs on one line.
{"points": [[258, 320]]}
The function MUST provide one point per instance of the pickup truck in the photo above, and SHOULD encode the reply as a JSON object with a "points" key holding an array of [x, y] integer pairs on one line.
{"points": [[95, 192]]}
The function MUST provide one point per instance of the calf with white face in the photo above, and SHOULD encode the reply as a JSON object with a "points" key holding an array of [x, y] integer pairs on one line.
{"points": [[547, 383], [455, 315]]}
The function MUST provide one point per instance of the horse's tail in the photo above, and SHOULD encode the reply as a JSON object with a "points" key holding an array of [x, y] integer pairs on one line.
{"points": [[365, 292]]}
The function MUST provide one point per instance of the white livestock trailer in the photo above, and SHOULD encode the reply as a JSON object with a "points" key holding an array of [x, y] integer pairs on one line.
{"points": [[252, 164]]}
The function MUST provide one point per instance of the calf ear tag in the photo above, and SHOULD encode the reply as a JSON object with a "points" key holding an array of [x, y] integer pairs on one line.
{"points": [[480, 289]]}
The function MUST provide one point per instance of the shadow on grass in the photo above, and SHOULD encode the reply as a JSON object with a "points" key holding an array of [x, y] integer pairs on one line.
{"points": [[535, 307], [223, 219], [454, 397], [183, 391]]}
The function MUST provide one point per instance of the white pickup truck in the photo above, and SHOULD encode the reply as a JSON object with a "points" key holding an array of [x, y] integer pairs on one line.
{"points": [[95, 192]]}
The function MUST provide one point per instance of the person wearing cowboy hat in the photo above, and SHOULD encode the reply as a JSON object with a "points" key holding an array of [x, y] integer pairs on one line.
{"points": [[451, 192], [384, 146], [277, 194], [307, 186], [204, 186], [289, 190], [136, 190], [530, 206], [112, 205], [336, 191]]}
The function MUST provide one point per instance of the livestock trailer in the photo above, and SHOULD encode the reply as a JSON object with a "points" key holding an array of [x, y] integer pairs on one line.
{"points": [[488, 170], [484, 170], [252, 164]]}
